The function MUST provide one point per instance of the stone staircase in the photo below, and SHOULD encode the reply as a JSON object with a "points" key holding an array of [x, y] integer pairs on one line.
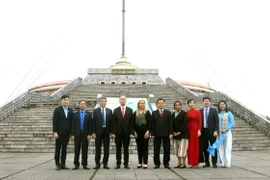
{"points": [[29, 129]]}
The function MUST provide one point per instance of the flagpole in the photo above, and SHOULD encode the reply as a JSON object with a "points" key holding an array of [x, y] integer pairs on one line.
{"points": [[123, 30]]}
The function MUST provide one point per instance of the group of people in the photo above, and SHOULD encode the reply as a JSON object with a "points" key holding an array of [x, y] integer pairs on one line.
{"points": [[190, 133]]}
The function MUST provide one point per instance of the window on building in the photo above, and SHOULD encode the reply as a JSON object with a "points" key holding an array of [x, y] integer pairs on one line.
{"points": [[113, 82], [144, 82], [102, 82]]}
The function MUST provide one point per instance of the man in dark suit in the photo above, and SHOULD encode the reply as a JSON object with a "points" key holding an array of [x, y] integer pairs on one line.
{"points": [[62, 121], [122, 131], [210, 126], [162, 129], [102, 123], [81, 131]]}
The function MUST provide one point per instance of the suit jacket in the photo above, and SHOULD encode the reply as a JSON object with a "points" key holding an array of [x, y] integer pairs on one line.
{"points": [[212, 120], [97, 121], [123, 124], [180, 124], [76, 124], [61, 123], [162, 126]]}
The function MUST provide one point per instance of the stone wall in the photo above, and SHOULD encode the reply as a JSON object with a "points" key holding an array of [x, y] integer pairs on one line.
{"points": [[248, 115], [30, 96], [181, 89], [118, 79], [13, 105], [69, 87], [109, 71]]}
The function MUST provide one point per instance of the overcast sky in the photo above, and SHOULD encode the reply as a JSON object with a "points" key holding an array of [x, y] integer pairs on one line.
{"points": [[223, 43]]}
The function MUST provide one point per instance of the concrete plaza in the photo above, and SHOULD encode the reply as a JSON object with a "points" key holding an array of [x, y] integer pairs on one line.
{"points": [[27, 166]]}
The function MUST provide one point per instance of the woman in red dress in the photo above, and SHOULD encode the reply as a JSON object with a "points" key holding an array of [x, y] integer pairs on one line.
{"points": [[194, 132]]}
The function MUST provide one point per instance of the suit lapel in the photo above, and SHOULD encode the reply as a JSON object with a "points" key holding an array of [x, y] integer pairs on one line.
{"points": [[99, 113], [79, 118], [63, 112], [106, 111], [209, 111], [176, 116], [85, 115], [157, 113]]}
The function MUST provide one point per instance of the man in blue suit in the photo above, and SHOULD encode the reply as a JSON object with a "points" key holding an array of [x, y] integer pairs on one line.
{"points": [[102, 127], [210, 128], [81, 130]]}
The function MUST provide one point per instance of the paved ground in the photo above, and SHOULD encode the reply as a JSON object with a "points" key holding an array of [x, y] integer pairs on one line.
{"points": [[27, 166]]}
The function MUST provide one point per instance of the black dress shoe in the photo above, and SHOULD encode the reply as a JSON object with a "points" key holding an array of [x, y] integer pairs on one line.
{"points": [[58, 167], [105, 166], [177, 166], [156, 167], [127, 166], [167, 167], [86, 167], [206, 165], [214, 166], [64, 167], [145, 166], [117, 167], [76, 167], [97, 166], [181, 167]]}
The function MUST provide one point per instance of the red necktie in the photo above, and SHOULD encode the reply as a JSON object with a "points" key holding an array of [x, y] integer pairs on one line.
{"points": [[123, 112], [161, 113]]}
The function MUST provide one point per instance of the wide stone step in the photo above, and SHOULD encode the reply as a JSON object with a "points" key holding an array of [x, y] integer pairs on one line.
{"points": [[246, 130], [35, 131], [250, 148], [29, 120], [251, 137], [251, 141], [29, 124], [248, 135], [19, 118]]}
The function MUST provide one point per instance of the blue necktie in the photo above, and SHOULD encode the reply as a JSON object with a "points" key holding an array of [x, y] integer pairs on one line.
{"points": [[82, 119], [205, 117], [103, 118]]}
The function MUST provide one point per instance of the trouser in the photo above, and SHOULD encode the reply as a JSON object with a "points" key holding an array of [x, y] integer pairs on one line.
{"points": [[81, 142], [225, 151], [61, 145], [122, 139], [166, 149], [105, 138], [142, 147], [206, 139]]}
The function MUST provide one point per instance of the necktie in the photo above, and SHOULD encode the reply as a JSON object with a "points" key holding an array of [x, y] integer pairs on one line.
{"points": [[103, 118], [123, 112], [205, 117], [82, 119], [161, 113]]}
